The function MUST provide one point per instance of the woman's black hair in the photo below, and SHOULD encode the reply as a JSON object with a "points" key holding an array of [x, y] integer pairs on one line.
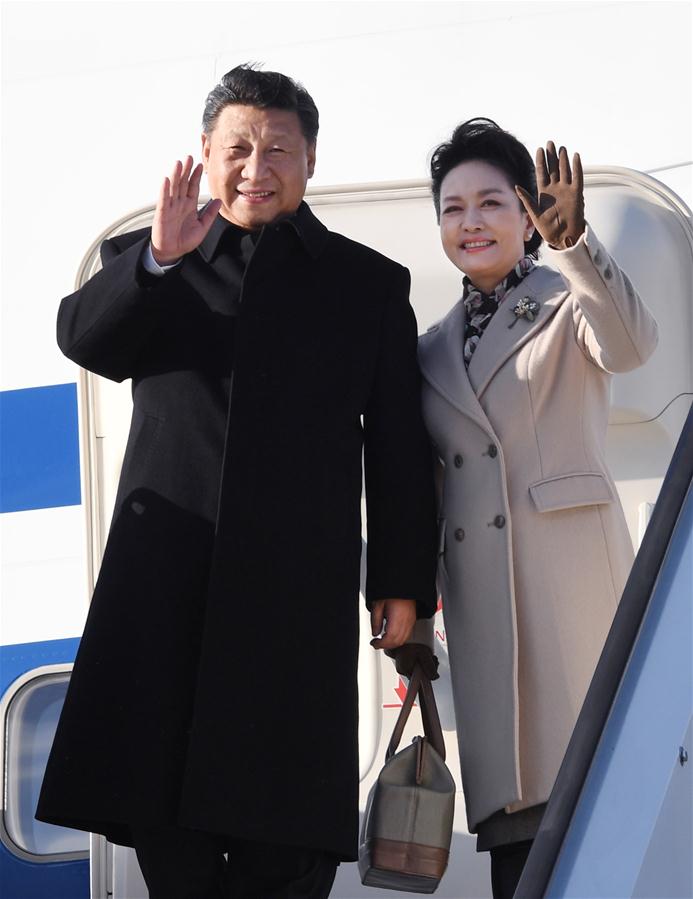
{"points": [[483, 140]]}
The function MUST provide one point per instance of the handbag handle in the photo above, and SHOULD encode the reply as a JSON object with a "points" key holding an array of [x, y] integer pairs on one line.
{"points": [[421, 685]]}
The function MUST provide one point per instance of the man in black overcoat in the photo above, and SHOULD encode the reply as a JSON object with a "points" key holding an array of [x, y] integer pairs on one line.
{"points": [[213, 703]]}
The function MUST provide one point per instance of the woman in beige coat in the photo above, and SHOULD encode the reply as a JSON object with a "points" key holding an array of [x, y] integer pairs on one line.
{"points": [[534, 550]]}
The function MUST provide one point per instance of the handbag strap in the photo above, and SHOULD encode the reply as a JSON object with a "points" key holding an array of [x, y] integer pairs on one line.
{"points": [[419, 685], [430, 717]]}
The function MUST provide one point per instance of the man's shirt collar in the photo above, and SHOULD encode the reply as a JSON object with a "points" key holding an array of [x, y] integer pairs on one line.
{"points": [[212, 239], [311, 232]]}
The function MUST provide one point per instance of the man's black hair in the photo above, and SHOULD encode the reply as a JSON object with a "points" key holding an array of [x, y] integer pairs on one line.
{"points": [[247, 86], [483, 140]]}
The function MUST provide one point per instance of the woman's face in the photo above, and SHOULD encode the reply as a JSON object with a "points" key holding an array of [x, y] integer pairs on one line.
{"points": [[482, 224]]}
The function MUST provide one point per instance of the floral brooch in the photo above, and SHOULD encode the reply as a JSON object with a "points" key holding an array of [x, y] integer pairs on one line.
{"points": [[526, 308]]}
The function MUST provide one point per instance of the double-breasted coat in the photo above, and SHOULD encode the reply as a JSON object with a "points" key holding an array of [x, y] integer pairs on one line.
{"points": [[534, 546], [215, 684]]}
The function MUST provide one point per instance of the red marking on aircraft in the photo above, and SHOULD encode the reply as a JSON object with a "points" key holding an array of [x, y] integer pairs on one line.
{"points": [[401, 691]]}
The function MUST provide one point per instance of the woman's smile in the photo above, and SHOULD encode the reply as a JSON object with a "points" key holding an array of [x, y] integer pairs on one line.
{"points": [[474, 246]]}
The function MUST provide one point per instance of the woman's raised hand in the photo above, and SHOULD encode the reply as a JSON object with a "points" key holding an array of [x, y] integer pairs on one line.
{"points": [[177, 229], [559, 216]]}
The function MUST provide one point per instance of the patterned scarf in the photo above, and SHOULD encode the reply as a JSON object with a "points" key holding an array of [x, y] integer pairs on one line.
{"points": [[480, 307]]}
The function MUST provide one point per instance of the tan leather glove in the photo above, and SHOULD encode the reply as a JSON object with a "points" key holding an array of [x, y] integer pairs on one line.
{"points": [[559, 216]]}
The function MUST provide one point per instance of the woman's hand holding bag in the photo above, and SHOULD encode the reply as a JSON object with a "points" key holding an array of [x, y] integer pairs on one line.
{"points": [[410, 654]]}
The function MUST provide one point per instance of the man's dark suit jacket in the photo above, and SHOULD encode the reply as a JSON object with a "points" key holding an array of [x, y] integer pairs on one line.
{"points": [[215, 684]]}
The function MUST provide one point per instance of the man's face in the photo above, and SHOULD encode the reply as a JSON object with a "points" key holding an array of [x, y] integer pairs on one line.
{"points": [[257, 163]]}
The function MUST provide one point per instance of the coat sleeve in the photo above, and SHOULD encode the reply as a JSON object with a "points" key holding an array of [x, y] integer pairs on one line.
{"points": [[105, 325], [400, 498], [613, 327]]}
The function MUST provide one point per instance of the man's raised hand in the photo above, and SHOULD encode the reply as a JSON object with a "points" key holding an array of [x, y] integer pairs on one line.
{"points": [[177, 229]]}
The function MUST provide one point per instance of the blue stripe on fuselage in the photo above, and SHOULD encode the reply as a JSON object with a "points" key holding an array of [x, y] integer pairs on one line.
{"points": [[18, 658], [39, 448]]}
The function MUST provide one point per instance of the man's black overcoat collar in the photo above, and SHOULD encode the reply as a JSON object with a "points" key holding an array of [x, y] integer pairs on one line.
{"points": [[311, 231]]}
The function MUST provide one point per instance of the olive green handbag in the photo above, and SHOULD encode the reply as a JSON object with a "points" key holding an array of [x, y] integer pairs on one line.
{"points": [[407, 826]]}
